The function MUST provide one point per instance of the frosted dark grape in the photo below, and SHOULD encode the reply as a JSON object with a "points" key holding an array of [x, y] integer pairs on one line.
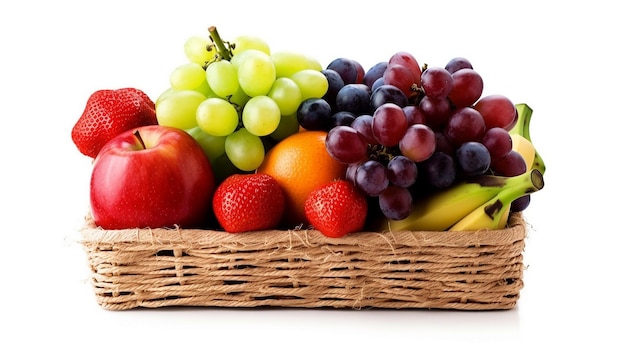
{"points": [[457, 63], [509, 165], [497, 110], [389, 124], [436, 82], [346, 145], [363, 125], [418, 143], [395, 203], [401, 171], [377, 83], [498, 141], [473, 158], [465, 124], [371, 177], [353, 98], [341, 118], [520, 204], [374, 73], [387, 93], [467, 87], [314, 114], [335, 83], [439, 171], [346, 68]]}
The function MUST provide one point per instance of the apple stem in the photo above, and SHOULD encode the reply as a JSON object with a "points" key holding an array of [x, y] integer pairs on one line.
{"points": [[140, 139], [222, 49]]}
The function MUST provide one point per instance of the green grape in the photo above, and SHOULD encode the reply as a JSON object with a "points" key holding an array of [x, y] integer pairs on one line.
{"points": [[213, 146], [247, 42], [286, 93], [261, 115], [178, 109], [195, 49], [187, 76], [256, 73], [165, 93], [205, 90], [312, 83], [217, 117], [239, 98], [314, 64], [222, 78], [288, 125], [287, 63], [245, 150]]}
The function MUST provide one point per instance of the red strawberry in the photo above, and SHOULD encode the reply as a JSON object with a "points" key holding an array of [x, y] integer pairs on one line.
{"points": [[109, 113], [336, 208], [248, 202]]}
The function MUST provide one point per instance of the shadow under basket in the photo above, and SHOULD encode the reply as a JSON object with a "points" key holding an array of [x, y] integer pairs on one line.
{"points": [[151, 268]]}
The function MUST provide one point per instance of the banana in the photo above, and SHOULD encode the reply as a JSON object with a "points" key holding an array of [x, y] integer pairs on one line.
{"points": [[490, 215], [522, 142], [525, 148], [442, 209]]}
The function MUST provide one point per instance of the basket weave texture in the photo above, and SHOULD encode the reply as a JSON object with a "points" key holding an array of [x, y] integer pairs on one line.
{"points": [[479, 270]]}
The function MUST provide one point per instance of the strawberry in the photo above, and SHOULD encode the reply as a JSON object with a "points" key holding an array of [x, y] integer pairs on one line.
{"points": [[248, 202], [109, 113], [336, 208]]}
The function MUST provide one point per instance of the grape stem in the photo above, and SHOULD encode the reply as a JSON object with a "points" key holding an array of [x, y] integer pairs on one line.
{"points": [[222, 49]]}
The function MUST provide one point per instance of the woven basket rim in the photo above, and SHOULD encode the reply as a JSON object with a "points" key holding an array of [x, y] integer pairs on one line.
{"points": [[515, 231]]}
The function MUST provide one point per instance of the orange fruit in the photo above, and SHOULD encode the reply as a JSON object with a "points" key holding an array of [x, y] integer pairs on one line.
{"points": [[300, 163]]}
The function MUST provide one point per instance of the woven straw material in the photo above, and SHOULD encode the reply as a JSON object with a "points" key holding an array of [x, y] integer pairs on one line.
{"points": [[152, 268]]}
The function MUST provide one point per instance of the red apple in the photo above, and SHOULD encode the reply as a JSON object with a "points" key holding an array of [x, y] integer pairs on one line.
{"points": [[152, 176]]}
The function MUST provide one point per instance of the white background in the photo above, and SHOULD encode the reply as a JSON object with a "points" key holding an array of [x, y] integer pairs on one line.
{"points": [[566, 61]]}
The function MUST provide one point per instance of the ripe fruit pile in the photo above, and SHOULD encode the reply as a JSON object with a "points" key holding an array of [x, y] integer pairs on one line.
{"points": [[284, 143]]}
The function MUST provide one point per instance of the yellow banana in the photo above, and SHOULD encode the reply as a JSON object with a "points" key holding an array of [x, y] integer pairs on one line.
{"points": [[490, 215], [525, 148], [442, 209], [520, 131]]}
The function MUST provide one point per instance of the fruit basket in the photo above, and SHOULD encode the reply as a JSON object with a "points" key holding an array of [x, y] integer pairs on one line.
{"points": [[263, 179], [151, 268]]}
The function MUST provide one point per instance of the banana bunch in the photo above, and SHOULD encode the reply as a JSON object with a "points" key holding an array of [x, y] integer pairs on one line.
{"points": [[481, 202]]}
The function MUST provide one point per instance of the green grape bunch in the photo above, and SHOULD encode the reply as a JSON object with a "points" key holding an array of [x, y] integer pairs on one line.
{"points": [[237, 98]]}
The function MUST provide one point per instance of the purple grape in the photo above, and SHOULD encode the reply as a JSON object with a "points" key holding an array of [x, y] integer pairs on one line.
{"points": [[353, 98], [465, 124], [363, 125], [439, 170], [346, 145], [341, 118], [314, 114], [346, 68], [389, 124], [374, 73], [371, 177], [387, 94], [457, 63], [401, 171], [436, 82], [335, 83], [473, 158], [395, 202]]}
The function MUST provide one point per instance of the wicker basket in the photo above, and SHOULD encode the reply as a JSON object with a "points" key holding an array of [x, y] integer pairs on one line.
{"points": [[153, 268]]}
